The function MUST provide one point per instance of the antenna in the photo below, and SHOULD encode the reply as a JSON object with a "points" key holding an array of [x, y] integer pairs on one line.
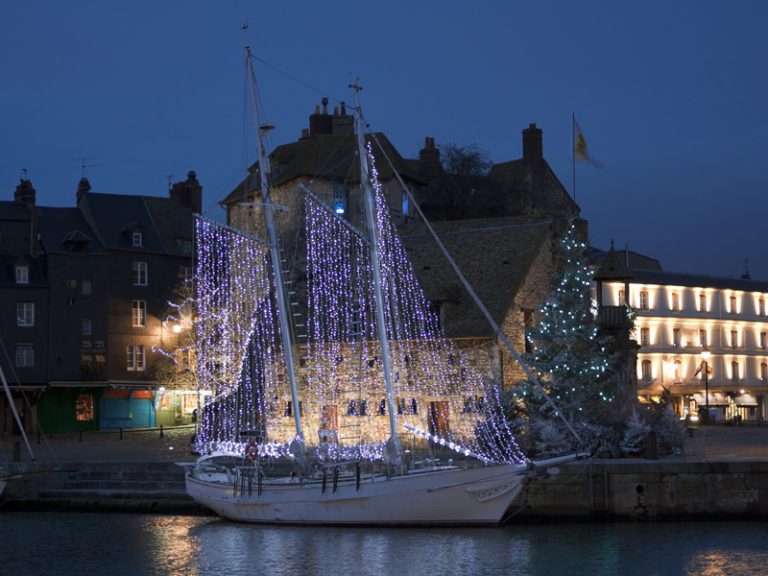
{"points": [[24, 173], [84, 164]]}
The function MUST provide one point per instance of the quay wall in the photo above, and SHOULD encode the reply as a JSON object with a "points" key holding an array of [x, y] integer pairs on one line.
{"points": [[645, 490]]}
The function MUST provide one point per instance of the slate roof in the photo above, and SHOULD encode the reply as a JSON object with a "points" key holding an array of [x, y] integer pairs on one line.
{"points": [[629, 259], [495, 254], [327, 156], [697, 281], [56, 226]]}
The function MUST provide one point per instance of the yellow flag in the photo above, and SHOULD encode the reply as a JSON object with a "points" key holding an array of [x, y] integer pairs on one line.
{"points": [[580, 149]]}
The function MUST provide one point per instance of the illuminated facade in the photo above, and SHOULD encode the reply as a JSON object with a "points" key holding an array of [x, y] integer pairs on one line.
{"points": [[703, 340]]}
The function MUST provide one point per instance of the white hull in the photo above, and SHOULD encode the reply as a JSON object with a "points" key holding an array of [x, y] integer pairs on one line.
{"points": [[453, 496]]}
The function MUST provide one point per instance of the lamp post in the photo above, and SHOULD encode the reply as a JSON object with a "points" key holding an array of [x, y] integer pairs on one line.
{"points": [[705, 355]]}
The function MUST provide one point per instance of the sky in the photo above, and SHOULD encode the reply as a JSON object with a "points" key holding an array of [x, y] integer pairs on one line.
{"points": [[672, 97]]}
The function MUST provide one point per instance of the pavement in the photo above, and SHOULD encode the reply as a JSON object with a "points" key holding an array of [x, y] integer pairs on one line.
{"points": [[705, 443]]}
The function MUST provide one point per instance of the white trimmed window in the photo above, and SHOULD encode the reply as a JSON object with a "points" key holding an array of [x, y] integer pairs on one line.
{"points": [[25, 355], [139, 273], [675, 302], [135, 361], [137, 239], [646, 371], [25, 314], [644, 305], [85, 326], [22, 274], [645, 337], [139, 313]]}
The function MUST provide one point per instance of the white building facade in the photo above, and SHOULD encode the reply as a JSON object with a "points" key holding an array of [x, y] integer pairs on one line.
{"points": [[703, 341]]}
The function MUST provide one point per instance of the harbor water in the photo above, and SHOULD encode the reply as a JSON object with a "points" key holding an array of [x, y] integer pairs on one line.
{"points": [[84, 544]]}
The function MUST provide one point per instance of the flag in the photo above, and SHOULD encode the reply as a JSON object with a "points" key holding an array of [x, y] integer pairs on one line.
{"points": [[580, 150]]}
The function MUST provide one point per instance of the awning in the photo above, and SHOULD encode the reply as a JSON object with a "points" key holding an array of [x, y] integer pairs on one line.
{"points": [[745, 400], [715, 399], [76, 384]]}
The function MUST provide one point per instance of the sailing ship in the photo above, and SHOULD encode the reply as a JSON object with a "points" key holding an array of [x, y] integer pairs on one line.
{"points": [[355, 397], [15, 470]]}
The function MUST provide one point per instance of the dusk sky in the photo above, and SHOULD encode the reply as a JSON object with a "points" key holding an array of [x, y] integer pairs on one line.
{"points": [[672, 97]]}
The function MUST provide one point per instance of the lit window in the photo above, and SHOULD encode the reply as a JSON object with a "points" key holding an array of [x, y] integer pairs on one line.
{"points": [[25, 314], [139, 313], [22, 274], [71, 283], [703, 340], [761, 307], [676, 337], [735, 372], [645, 337], [139, 273], [764, 372], [702, 302], [25, 355], [84, 408], [732, 305], [763, 340], [85, 326], [622, 300], [678, 370], [734, 339], [675, 302], [340, 199], [644, 300], [137, 239], [135, 361], [406, 204]]}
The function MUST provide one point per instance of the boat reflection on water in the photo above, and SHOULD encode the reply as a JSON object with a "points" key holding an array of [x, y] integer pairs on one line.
{"points": [[85, 544]]}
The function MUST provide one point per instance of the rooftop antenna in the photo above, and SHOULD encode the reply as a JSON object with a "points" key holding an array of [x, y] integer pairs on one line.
{"points": [[24, 174], [84, 164]]}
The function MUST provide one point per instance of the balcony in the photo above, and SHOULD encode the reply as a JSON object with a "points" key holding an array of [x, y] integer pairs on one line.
{"points": [[614, 317]]}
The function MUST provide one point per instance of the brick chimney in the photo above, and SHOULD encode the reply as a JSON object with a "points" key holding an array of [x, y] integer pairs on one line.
{"points": [[25, 193], [532, 143], [82, 187], [321, 122], [429, 157], [189, 193], [343, 123]]}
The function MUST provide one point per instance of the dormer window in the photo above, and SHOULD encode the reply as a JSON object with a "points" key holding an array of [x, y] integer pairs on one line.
{"points": [[22, 274], [137, 239]]}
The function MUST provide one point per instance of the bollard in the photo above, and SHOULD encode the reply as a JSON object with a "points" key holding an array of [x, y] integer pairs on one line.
{"points": [[121, 433], [161, 430], [80, 436]]}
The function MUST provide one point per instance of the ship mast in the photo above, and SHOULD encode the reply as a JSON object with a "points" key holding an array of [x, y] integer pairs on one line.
{"points": [[369, 203], [274, 251]]}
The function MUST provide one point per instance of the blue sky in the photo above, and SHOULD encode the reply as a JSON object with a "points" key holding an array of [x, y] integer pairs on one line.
{"points": [[672, 98]]}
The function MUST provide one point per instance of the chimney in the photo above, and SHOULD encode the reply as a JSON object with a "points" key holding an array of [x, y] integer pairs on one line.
{"points": [[82, 187], [321, 122], [532, 144], [342, 122], [189, 193], [429, 157], [25, 193]]}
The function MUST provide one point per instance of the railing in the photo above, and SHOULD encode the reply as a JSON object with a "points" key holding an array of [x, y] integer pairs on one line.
{"points": [[613, 317]]}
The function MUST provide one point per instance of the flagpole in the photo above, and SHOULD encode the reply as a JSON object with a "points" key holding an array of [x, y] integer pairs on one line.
{"points": [[573, 152]]}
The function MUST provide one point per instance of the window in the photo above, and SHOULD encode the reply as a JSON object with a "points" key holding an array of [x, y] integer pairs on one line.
{"points": [[675, 302], [185, 245], [340, 199], [406, 204], [71, 300], [85, 326], [735, 372], [763, 340], [139, 273], [382, 410], [703, 340], [622, 299], [676, 337], [71, 283], [139, 313], [22, 274], [764, 372], [137, 239], [702, 302], [732, 305], [84, 408], [644, 300], [135, 361], [761, 307], [86, 287], [678, 371], [646, 367], [25, 314], [734, 339], [25, 355], [645, 337]]}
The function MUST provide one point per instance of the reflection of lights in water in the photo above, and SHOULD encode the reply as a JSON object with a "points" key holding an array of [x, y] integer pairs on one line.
{"points": [[718, 563], [172, 548]]}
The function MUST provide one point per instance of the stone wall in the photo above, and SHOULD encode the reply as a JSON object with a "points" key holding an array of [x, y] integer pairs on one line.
{"points": [[643, 490]]}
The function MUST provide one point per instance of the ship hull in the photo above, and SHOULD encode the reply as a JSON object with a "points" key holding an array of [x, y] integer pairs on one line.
{"points": [[439, 497]]}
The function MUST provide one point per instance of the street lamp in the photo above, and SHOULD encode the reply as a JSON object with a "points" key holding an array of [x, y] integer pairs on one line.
{"points": [[705, 355]]}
